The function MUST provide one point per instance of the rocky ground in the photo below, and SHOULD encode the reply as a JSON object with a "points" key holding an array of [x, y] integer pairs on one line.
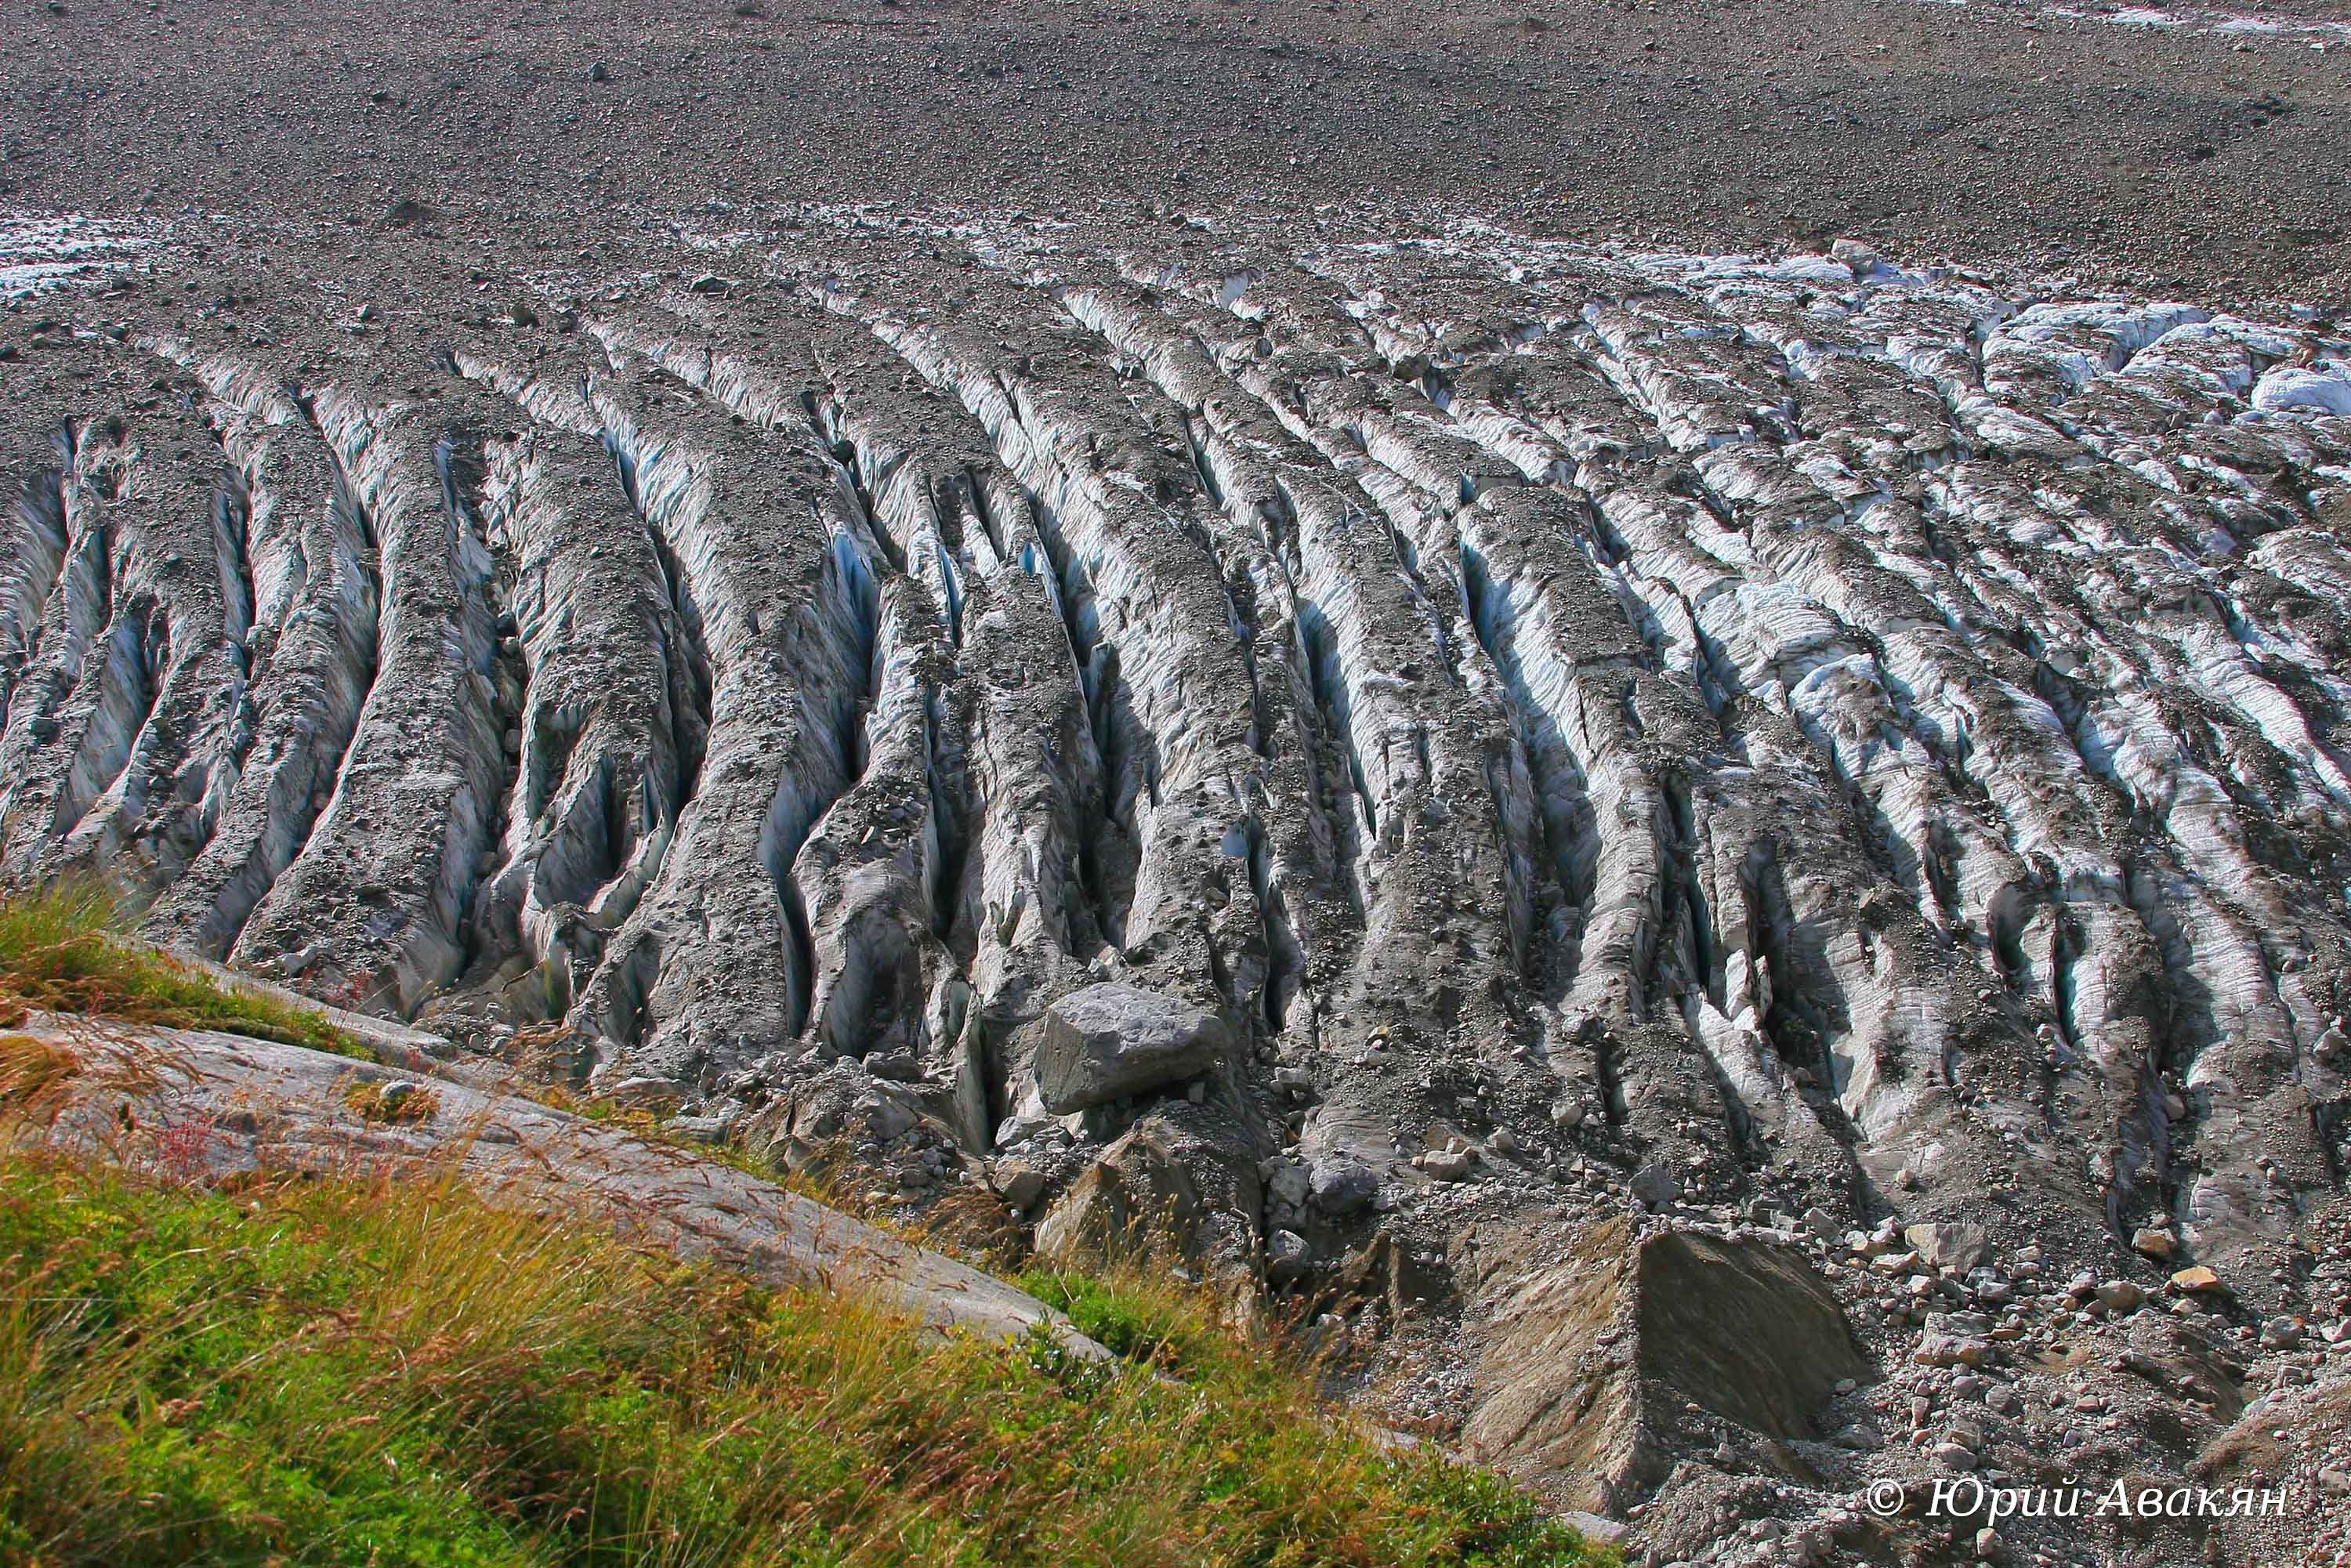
{"points": [[1719, 873], [2201, 155]]}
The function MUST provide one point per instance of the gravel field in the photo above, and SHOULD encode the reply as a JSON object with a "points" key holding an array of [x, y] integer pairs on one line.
{"points": [[2195, 157]]}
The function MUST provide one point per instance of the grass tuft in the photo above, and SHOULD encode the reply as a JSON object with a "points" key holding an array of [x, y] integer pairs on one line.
{"points": [[30, 1067], [62, 950], [1140, 1314], [327, 1372], [401, 1103]]}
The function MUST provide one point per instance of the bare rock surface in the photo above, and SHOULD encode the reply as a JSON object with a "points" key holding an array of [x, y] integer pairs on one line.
{"points": [[198, 1104]]}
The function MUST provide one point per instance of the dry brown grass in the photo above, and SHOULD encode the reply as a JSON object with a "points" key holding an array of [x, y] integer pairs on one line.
{"points": [[394, 1371], [63, 951], [413, 1105], [32, 1070]]}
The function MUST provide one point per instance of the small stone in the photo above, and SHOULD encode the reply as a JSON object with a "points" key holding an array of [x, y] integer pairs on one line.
{"points": [[708, 283], [1954, 1338], [2197, 1281], [1860, 256], [2155, 1241], [1953, 1248], [1342, 1187], [1446, 1164], [1020, 1129], [2281, 1334], [1289, 1184], [2122, 1296], [1020, 1185], [1655, 1186], [599, 71]]}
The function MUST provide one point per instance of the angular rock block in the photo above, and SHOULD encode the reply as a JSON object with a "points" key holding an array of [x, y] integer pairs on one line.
{"points": [[1108, 1040], [1589, 1351]]}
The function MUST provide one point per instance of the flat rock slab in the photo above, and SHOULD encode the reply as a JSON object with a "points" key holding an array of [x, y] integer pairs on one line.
{"points": [[1592, 1352], [1108, 1040], [199, 1106], [1746, 1329]]}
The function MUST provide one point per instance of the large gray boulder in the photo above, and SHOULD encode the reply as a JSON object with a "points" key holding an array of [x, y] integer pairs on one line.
{"points": [[1108, 1040], [1593, 1349]]}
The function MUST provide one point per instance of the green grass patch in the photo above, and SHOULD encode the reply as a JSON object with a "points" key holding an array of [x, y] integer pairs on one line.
{"points": [[1138, 1313], [331, 1372], [62, 950]]}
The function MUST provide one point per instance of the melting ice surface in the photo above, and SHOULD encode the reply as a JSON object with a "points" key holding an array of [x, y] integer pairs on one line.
{"points": [[2227, 23], [2320, 35], [39, 252]]}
